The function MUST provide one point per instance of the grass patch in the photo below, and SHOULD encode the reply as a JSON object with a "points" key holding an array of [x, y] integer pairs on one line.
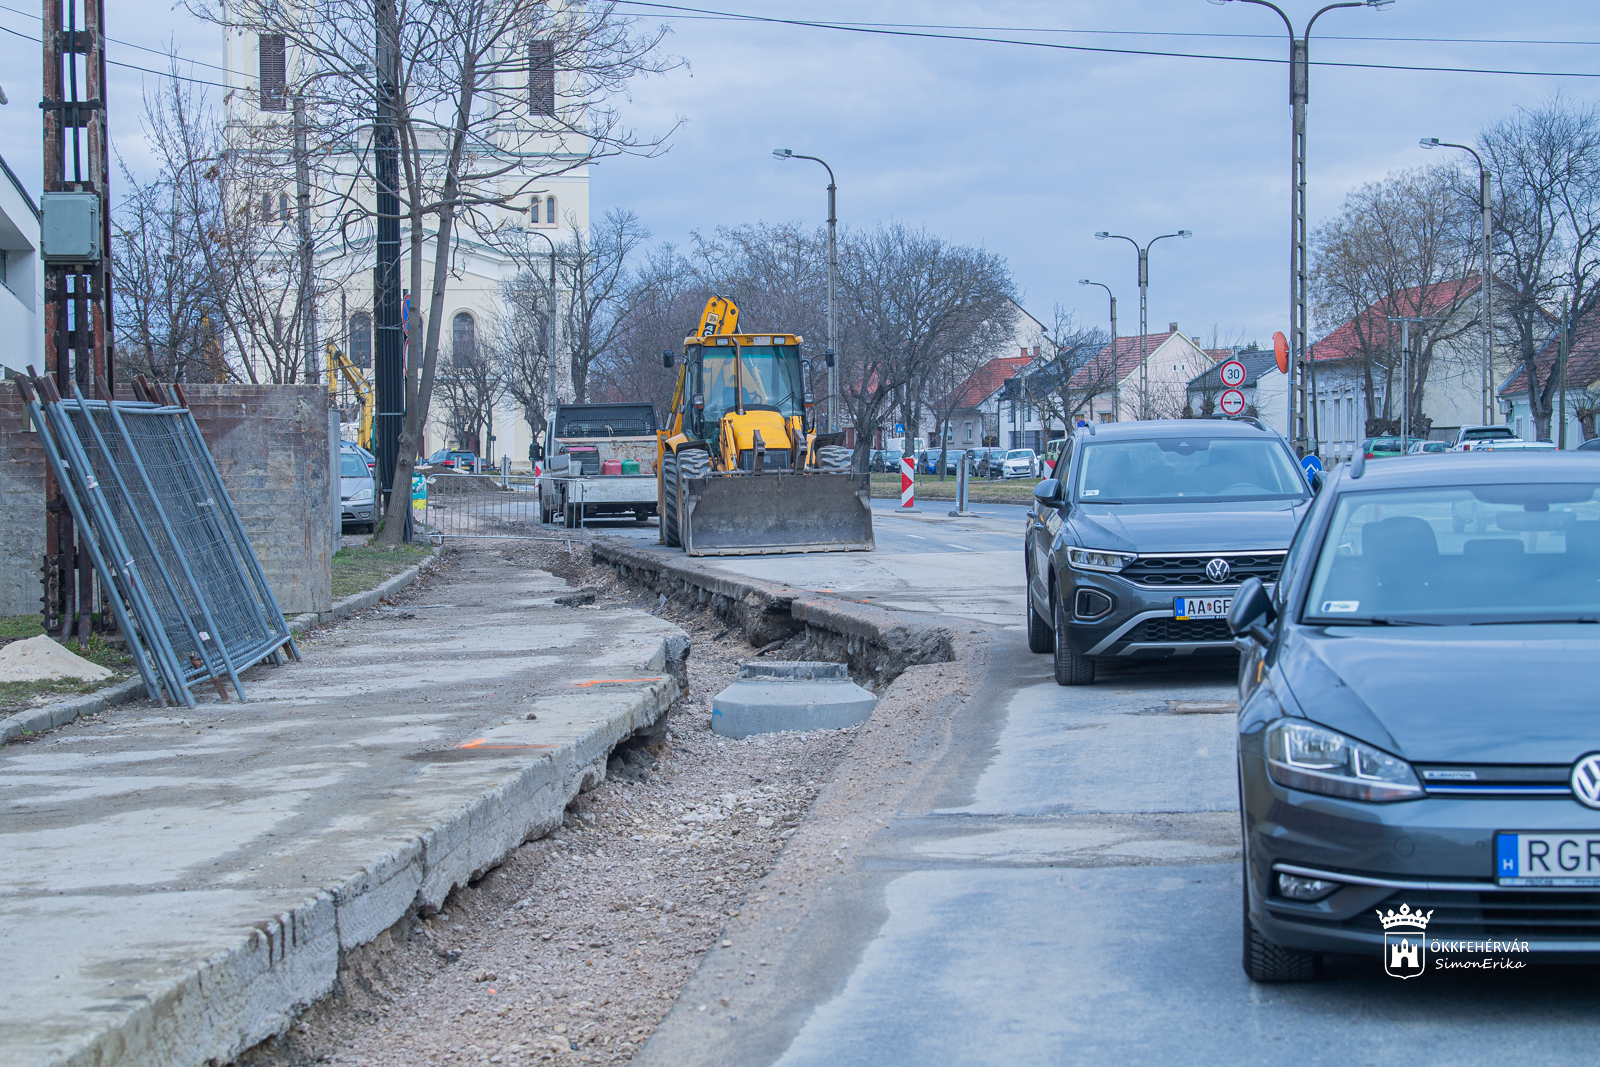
{"points": [[356, 570], [20, 626], [19, 696], [979, 491]]}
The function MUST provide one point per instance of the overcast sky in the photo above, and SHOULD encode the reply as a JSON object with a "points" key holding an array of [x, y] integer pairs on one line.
{"points": [[1023, 150]]}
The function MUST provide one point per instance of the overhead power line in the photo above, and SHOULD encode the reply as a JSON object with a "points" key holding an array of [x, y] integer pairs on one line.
{"points": [[129, 66], [885, 31]]}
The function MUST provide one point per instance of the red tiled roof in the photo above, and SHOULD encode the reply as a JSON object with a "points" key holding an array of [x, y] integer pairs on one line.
{"points": [[1345, 341], [1583, 362], [982, 383], [1128, 356]]}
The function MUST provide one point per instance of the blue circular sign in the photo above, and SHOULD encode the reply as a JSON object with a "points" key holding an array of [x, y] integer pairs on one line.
{"points": [[1311, 464]]}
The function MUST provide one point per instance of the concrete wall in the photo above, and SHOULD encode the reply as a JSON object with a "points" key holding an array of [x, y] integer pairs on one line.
{"points": [[22, 472], [270, 443]]}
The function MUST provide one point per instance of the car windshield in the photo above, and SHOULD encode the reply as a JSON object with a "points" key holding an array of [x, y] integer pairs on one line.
{"points": [[352, 466], [1020, 453], [1188, 468], [1462, 555], [770, 375]]}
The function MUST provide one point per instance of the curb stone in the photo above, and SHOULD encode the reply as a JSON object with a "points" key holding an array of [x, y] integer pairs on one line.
{"points": [[49, 716]]}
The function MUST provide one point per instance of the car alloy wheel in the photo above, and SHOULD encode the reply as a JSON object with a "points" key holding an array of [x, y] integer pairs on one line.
{"points": [[1040, 637]]}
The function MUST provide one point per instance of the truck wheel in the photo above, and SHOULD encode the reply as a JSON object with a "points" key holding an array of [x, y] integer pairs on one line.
{"points": [[833, 459], [669, 516]]}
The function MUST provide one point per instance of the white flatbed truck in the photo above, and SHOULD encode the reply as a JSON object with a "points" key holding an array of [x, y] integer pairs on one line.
{"points": [[600, 462]]}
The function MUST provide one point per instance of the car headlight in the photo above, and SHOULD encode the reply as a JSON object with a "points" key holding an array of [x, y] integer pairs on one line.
{"points": [[361, 495], [1301, 755], [1091, 559]]}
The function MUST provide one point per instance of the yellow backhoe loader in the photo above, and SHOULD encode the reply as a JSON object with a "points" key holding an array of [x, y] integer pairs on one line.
{"points": [[740, 469], [363, 391]]}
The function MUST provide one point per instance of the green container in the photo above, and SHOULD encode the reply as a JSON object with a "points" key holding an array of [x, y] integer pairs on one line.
{"points": [[630, 466]]}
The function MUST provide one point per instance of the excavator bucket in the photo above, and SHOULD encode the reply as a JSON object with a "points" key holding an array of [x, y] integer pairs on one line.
{"points": [[751, 515]]}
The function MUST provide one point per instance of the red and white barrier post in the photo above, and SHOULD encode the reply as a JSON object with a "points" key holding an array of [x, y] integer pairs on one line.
{"points": [[908, 483]]}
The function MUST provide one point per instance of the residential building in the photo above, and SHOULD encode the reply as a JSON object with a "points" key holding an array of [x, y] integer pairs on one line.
{"points": [[1582, 387], [1265, 387], [21, 277], [975, 422]]}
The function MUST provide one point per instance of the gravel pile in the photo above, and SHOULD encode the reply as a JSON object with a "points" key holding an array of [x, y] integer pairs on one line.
{"points": [[576, 946]]}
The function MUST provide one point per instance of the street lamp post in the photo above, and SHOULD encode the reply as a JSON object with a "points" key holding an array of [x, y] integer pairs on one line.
{"points": [[1484, 295], [1116, 407], [1144, 326], [550, 389], [1299, 48], [833, 269]]}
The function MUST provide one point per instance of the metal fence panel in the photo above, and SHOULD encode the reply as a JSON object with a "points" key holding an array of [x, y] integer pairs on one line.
{"points": [[482, 505]]}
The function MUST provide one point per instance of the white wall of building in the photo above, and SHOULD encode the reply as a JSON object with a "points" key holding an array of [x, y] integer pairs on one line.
{"points": [[22, 284]]}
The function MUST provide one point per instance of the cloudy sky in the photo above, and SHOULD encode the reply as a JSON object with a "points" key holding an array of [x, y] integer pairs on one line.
{"points": [[1024, 150]]}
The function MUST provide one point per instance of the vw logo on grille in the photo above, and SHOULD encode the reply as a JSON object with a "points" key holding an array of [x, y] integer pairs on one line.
{"points": [[1586, 780], [1218, 570]]}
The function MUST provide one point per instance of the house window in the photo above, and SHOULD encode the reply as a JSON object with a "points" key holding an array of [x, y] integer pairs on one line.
{"points": [[266, 207], [542, 77], [969, 433], [283, 207], [360, 340], [550, 211], [272, 72], [463, 338]]}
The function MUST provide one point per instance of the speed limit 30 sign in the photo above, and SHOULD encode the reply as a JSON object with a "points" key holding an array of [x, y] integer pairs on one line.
{"points": [[1232, 374]]}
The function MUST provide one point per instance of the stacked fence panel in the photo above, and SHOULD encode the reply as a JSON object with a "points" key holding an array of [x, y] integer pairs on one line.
{"points": [[168, 542]]}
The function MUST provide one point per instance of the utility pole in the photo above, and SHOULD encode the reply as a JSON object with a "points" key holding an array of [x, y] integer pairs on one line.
{"points": [[1485, 287], [1144, 324], [1561, 380], [302, 182], [1299, 95], [1405, 322], [1116, 381], [388, 362], [77, 280]]}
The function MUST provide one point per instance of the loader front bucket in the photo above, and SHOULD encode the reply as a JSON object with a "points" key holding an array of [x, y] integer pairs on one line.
{"points": [[750, 515]]}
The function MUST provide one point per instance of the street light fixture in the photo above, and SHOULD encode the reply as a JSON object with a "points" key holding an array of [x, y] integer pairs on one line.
{"points": [[550, 391], [833, 269], [1299, 69], [1144, 331], [1116, 399], [1484, 296]]}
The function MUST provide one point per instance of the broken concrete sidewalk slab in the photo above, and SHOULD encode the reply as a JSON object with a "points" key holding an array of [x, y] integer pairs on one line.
{"points": [[179, 883], [876, 643], [770, 697]]}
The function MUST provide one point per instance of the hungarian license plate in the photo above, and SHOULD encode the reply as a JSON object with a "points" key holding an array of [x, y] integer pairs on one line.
{"points": [[1544, 858], [1201, 607]]}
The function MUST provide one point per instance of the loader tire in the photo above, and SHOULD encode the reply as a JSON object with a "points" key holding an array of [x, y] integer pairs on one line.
{"points": [[669, 514], [834, 459], [692, 463]]}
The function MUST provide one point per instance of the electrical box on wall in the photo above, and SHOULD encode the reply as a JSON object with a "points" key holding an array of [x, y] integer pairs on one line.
{"points": [[70, 228]]}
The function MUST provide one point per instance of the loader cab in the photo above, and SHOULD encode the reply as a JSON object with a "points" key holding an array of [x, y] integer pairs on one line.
{"points": [[762, 375]]}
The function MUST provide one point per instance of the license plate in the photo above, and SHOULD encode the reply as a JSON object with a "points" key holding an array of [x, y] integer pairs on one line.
{"points": [[1201, 607], [1558, 859]]}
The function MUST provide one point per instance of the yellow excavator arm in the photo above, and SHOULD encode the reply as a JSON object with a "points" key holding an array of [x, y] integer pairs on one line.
{"points": [[352, 374]]}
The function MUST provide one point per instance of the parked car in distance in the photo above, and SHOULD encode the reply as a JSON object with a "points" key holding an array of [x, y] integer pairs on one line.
{"points": [[367, 457], [1591, 445], [993, 462], [1483, 765], [453, 458], [953, 460], [1428, 448], [1020, 463], [1052, 452], [358, 491], [1469, 437], [1387, 447], [1514, 444], [1138, 550], [882, 461]]}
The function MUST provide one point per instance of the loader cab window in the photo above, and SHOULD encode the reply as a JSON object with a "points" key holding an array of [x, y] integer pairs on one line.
{"points": [[770, 377]]}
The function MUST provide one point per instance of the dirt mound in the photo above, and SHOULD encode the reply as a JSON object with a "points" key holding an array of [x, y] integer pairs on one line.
{"points": [[40, 659]]}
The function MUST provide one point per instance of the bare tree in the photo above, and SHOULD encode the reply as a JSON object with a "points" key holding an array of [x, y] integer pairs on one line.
{"points": [[664, 300], [1084, 369], [1397, 248], [485, 98], [595, 267], [521, 345], [470, 386], [1547, 232]]}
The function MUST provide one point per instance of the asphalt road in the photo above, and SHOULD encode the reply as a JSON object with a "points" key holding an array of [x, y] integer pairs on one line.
{"points": [[1063, 887]]}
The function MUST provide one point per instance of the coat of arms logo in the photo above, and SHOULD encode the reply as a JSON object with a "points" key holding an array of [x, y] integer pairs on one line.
{"points": [[1405, 937]]}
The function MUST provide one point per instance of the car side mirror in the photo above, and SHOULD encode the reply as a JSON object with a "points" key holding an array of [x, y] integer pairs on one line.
{"points": [[1251, 612], [1048, 492], [666, 360]]}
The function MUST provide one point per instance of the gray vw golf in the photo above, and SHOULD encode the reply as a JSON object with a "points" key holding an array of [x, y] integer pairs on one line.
{"points": [[1137, 550], [1419, 752]]}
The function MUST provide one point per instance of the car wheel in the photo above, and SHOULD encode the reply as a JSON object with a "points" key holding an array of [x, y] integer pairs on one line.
{"points": [[1071, 668], [1266, 962], [1040, 637]]}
